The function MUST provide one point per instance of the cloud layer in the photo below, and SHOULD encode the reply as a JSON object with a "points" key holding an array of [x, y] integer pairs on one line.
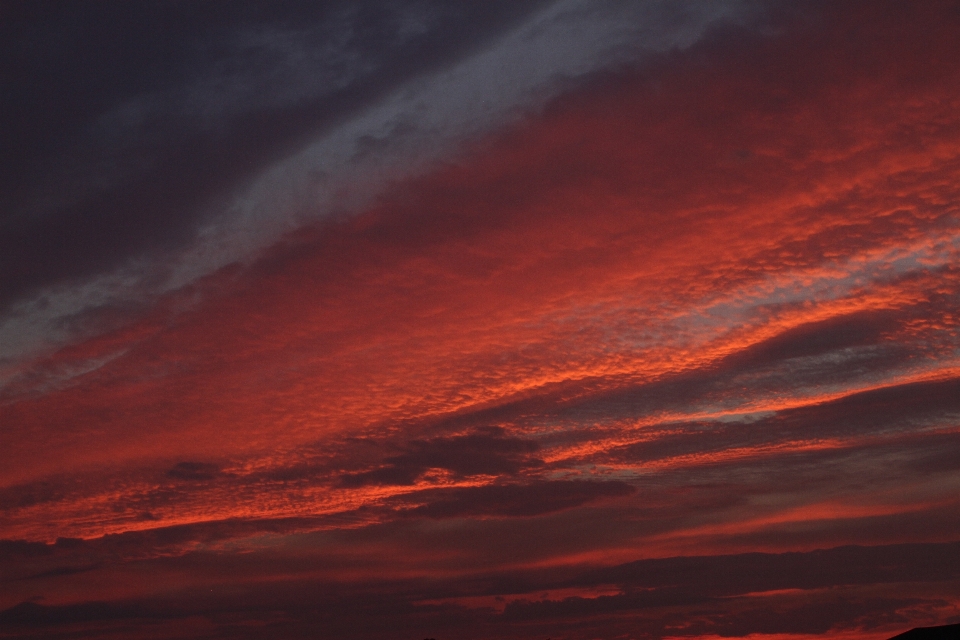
{"points": [[666, 346]]}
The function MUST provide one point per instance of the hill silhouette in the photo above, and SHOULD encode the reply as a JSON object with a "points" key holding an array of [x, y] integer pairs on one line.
{"points": [[945, 632]]}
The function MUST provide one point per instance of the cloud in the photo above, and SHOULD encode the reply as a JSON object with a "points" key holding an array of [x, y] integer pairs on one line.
{"points": [[763, 572], [235, 94], [515, 500], [193, 471], [880, 412], [845, 588], [486, 452], [699, 303], [38, 614], [841, 332], [260, 123]]}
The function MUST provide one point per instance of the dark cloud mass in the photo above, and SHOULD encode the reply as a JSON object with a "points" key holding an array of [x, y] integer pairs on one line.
{"points": [[144, 115], [487, 452], [810, 592], [413, 319], [517, 500]]}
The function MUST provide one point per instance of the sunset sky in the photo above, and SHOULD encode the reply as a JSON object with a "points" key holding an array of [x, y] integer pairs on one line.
{"points": [[573, 319]]}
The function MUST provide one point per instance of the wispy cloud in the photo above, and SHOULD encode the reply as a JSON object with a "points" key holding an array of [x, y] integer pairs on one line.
{"points": [[661, 341]]}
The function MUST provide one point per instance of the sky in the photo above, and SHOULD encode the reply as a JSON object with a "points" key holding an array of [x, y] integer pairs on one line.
{"points": [[569, 319]]}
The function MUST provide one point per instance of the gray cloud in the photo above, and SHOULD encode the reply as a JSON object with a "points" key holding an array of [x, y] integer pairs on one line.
{"points": [[135, 117], [168, 142]]}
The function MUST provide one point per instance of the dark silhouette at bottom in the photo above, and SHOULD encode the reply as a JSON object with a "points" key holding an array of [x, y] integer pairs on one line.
{"points": [[946, 632]]}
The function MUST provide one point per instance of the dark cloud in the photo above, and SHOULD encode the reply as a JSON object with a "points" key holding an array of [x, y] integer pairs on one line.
{"points": [[33, 493], [901, 406], [898, 408], [826, 583], [193, 471], [514, 499], [836, 350], [38, 614], [818, 616], [839, 350], [21, 546], [861, 328], [768, 366], [840, 588], [758, 572], [486, 452], [25, 561], [122, 122]]}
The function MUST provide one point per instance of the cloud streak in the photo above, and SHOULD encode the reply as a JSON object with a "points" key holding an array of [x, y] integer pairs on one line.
{"points": [[657, 337]]}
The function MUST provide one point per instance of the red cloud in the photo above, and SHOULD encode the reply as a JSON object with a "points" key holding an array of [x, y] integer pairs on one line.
{"points": [[727, 279]]}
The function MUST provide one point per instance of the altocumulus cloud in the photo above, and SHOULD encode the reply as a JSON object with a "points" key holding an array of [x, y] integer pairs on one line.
{"points": [[497, 319]]}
